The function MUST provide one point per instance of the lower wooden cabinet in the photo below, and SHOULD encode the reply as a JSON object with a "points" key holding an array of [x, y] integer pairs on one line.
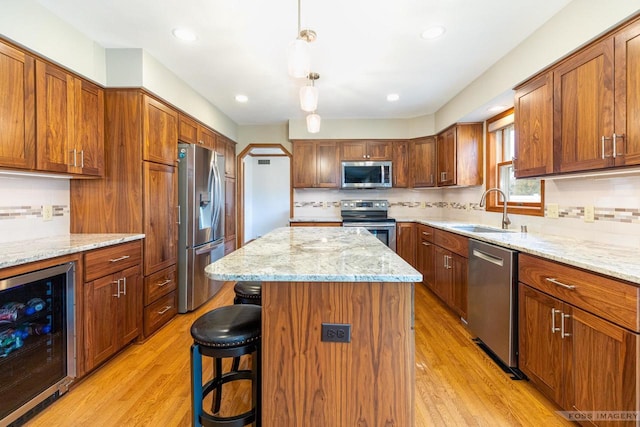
{"points": [[406, 241], [425, 254], [582, 361], [451, 267], [157, 289]]}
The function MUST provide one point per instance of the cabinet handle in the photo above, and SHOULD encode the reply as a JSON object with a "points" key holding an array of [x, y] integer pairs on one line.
{"points": [[431, 179], [602, 140], [426, 244], [513, 163], [74, 154], [163, 283], [554, 329], [201, 142], [122, 258], [426, 233], [179, 214], [615, 147], [164, 310], [556, 282], [564, 334], [443, 176], [124, 286], [117, 294], [81, 158]]}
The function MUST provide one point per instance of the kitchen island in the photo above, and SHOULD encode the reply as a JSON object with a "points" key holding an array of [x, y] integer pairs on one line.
{"points": [[323, 275]]}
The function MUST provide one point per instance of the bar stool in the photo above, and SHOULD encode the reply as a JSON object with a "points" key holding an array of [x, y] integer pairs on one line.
{"points": [[248, 293], [225, 332]]}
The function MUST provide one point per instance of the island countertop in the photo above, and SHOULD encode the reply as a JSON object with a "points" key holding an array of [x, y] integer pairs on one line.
{"points": [[314, 254]]}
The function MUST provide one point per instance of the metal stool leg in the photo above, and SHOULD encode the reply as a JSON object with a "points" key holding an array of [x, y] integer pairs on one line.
{"points": [[196, 385], [217, 400]]}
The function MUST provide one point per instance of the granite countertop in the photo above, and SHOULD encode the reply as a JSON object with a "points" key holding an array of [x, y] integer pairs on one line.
{"points": [[25, 251], [314, 254], [611, 260], [315, 219]]}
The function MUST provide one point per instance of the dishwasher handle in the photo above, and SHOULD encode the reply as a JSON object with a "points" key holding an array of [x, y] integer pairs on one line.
{"points": [[488, 257]]}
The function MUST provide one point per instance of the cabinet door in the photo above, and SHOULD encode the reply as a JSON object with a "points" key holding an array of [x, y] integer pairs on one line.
{"points": [[406, 241], [442, 285], [100, 320], [379, 150], [54, 118], [459, 286], [627, 95], [304, 164], [160, 132], [540, 344], [583, 109], [534, 127], [229, 158], [353, 151], [401, 164], [230, 209], [160, 217], [446, 155], [17, 109], [207, 138], [89, 128], [423, 162], [425, 259], [187, 129], [601, 363], [327, 170], [130, 305]]}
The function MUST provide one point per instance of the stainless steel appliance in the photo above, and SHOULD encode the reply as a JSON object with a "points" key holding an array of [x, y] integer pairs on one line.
{"points": [[37, 341], [372, 215], [370, 174], [201, 226], [492, 300]]}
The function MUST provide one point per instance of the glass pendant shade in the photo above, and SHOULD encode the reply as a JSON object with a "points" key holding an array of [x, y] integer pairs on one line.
{"points": [[308, 98], [299, 58], [313, 123]]}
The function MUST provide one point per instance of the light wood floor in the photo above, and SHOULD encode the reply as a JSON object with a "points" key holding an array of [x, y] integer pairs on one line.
{"points": [[456, 383]]}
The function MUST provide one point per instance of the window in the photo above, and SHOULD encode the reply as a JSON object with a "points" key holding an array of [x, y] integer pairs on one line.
{"points": [[524, 196]]}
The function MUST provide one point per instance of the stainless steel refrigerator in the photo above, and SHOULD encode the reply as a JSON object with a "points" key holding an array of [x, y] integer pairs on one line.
{"points": [[201, 226]]}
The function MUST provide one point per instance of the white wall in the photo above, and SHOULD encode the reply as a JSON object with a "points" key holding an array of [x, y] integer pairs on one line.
{"points": [[365, 128]]}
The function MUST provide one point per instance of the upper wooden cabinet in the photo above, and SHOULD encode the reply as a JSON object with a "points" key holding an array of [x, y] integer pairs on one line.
{"points": [[366, 150], [423, 162], [192, 132], [160, 132], [17, 109], [534, 130], [459, 155], [315, 164], [401, 168], [228, 148], [69, 122]]}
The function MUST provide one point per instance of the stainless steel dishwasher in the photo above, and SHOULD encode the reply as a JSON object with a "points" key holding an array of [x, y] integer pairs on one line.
{"points": [[492, 301]]}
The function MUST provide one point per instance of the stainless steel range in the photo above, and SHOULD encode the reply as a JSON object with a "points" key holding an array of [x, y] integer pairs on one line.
{"points": [[372, 215]]}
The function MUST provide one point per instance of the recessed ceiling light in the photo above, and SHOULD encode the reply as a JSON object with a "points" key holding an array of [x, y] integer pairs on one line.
{"points": [[497, 108], [184, 34], [242, 98], [393, 97], [433, 32]]}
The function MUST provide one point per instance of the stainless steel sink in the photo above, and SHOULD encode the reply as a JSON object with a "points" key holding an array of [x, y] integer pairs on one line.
{"points": [[479, 229]]}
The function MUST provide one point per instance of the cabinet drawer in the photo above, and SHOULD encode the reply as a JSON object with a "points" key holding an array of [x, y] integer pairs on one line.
{"points": [[608, 298], [159, 284], [160, 312], [100, 262], [425, 233], [453, 242]]}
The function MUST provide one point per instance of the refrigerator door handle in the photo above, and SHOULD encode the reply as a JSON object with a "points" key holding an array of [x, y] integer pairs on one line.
{"points": [[206, 248], [218, 193], [211, 189]]}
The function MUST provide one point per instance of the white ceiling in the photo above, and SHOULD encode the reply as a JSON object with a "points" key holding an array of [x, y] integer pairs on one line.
{"points": [[365, 48]]}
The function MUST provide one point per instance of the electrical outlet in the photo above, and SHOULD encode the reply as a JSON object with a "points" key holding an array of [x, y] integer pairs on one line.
{"points": [[552, 210], [423, 204], [589, 214], [47, 212], [336, 332]]}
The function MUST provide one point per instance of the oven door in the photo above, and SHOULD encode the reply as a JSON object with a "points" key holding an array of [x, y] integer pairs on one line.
{"points": [[384, 231]]}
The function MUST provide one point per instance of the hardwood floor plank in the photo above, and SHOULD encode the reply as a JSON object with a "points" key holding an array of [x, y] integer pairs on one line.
{"points": [[457, 384]]}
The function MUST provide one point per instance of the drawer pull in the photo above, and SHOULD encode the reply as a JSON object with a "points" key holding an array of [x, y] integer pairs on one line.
{"points": [[122, 258], [164, 283], [426, 244], [426, 234], [556, 282], [164, 310]]}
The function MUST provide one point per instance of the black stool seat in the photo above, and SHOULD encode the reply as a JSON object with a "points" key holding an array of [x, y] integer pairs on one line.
{"points": [[248, 293], [229, 326]]}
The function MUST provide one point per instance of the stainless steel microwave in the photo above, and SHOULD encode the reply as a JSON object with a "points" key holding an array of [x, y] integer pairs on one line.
{"points": [[366, 174]]}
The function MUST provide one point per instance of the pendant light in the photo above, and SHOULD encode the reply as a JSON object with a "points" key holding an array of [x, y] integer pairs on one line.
{"points": [[299, 59], [309, 94], [313, 123]]}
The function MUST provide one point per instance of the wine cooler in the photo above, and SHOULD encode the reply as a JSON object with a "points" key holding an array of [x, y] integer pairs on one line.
{"points": [[37, 341]]}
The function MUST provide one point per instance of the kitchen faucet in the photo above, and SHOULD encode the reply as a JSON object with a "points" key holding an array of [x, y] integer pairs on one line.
{"points": [[505, 218]]}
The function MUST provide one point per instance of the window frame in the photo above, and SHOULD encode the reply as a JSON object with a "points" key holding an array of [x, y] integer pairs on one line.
{"points": [[494, 200]]}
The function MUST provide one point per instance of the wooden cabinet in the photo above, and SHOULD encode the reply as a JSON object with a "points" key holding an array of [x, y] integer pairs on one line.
{"points": [[229, 157], [69, 122], [230, 215], [192, 132], [315, 164], [425, 254], [366, 150], [459, 155], [534, 128], [135, 195], [401, 169], [406, 241], [112, 302], [160, 299], [423, 162], [450, 264], [17, 107], [578, 333]]}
